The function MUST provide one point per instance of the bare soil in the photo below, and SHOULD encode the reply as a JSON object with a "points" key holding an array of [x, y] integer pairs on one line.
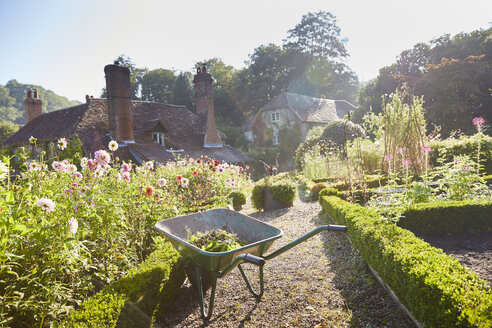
{"points": [[322, 282], [472, 250]]}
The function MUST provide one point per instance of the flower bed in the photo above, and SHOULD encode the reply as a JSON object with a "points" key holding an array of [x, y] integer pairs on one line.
{"points": [[435, 288], [67, 231]]}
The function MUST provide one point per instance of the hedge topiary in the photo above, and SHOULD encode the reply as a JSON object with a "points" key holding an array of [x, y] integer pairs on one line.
{"points": [[435, 288], [282, 189], [132, 300], [238, 199], [448, 217]]}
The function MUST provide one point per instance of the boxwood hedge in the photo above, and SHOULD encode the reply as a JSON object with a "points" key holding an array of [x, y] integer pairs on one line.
{"points": [[435, 288], [133, 300], [448, 217]]}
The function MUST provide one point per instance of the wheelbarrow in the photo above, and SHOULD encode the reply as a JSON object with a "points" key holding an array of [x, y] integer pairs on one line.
{"points": [[204, 268]]}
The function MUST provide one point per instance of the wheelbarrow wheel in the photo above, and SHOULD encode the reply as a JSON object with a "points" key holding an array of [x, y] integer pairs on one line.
{"points": [[205, 276]]}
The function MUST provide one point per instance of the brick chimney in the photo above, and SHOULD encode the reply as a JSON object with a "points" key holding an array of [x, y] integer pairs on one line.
{"points": [[204, 102], [119, 103], [33, 105]]}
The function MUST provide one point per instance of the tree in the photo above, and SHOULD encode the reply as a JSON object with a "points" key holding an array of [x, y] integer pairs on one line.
{"points": [[7, 128], [319, 35], [226, 100], [183, 90], [325, 79], [270, 71], [157, 85], [136, 75], [8, 111]]}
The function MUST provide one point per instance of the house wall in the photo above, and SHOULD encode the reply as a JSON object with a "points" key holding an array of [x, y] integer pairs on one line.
{"points": [[287, 118], [306, 126]]}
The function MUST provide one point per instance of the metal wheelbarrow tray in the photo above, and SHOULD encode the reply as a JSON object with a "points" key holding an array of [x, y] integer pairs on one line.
{"points": [[212, 265]]}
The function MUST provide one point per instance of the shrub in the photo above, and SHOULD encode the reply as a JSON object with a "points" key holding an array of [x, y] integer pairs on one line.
{"points": [[448, 149], [435, 288], [448, 217], [281, 187], [328, 192], [340, 131], [132, 300], [238, 199]]}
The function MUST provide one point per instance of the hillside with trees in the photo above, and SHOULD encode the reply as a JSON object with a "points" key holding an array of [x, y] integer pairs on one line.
{"points": [[12, 112]]}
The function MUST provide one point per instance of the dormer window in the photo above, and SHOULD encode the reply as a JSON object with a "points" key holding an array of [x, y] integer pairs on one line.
{"points": [[159, 138], [275, 116]]}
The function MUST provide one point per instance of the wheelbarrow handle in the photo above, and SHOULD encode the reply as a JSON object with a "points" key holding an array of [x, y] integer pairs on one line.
{"points": [[329, 227], [254, 260]]}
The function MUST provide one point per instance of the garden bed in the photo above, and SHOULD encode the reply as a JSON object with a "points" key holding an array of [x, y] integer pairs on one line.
{"points": [[472, 250]]}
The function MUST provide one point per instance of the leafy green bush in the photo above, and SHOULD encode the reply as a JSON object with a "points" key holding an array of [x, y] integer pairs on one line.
{"points": [[283, 191], [435, 288], [133, 300], [281, 187], [238, 199], [328, 192], [340, 131], [448, 217]]}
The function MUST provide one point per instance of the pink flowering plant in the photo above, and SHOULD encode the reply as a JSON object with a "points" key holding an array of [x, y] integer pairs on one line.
{"points": [[74, 228]]}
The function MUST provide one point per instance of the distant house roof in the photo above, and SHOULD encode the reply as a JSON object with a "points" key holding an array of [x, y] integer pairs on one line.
{"points": [[310, 109], [184, 131]]}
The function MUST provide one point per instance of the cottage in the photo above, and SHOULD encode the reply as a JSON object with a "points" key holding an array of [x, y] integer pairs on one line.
{"points": [[144, 130], [293, 110]]}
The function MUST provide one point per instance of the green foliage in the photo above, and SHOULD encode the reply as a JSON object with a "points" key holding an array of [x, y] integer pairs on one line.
{"points": [[7, 128], [328, 192], [318, 35], [435, 288], [402, 127], [73, 231], [289, 139], [367, 153], [341, 131], [12, 103], [157, 85], [446, 150], [282, 188], [448, 217], [238, 199], [235, 136], [183, 90], [133, 300], [451, 73], [257, 196], [216, 240], [283, 191]]}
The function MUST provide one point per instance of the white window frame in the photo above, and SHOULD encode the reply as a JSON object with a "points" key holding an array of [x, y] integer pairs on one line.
{"points": [[275, 139], [275, 116], [158, 137]]}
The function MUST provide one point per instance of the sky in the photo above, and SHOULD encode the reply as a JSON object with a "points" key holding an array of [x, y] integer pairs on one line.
{"points": [[63, 45]]}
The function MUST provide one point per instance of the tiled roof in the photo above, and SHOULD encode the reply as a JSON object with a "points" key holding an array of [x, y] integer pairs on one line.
{"points": [[310, 109], [42, 127], [89, 121]]}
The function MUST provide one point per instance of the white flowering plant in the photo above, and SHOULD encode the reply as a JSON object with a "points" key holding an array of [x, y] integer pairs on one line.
{"points": [[72, 228]]}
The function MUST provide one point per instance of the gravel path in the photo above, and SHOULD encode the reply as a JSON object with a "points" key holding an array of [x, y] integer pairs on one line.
{"points": [[322, 282]]}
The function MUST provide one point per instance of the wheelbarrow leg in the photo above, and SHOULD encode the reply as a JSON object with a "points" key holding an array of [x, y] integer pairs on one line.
{"points": [[257, 295], [201, 296]]}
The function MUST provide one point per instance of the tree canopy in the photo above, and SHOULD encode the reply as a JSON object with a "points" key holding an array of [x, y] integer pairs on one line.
{"points": [[453, 74]]}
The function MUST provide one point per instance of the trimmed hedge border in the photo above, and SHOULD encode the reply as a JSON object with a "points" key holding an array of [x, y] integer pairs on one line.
{"points": [[448, 217], [435, 288], [133, 300]]}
